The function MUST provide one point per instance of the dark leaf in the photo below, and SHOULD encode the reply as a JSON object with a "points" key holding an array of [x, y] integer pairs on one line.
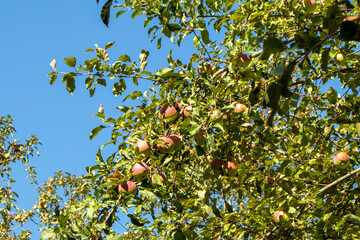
{"points": [[95, 131], [105, 12], [135, 221], [271, 45]]}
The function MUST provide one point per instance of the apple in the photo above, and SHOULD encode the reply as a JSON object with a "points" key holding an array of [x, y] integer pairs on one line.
{"points": [[280, 217], [128, 187], [239, 107], [140, 171], [245, 159], [340, 157], [177, 142], [208, 69], [187, 110], [166, 145], [216, 163], [200, 138], [214, 113], [242, 59], [158, 178], [142, 147], [230, 168], [168, 113], [179, 105], [339, 57], [309, 5]]}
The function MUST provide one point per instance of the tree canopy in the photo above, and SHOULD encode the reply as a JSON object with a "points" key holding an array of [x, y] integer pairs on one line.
{"points": [[255, 136]]}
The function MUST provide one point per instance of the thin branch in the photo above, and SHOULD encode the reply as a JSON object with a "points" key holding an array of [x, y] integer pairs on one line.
{"points": [[113, 209]]}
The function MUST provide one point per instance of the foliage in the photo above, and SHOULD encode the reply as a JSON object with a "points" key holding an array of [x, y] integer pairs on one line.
{"points": [[13, 152], [297, 118]]}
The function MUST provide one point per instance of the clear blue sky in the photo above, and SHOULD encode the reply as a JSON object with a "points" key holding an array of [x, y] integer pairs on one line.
{"points": [[35, 32]]}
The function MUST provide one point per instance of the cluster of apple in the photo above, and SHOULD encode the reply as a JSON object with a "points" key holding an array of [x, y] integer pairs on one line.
{"points": [[174, 143]]}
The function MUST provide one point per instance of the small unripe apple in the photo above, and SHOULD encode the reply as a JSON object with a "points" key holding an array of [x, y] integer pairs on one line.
{"points": [[166, 145], [168, 113], [239, 107], [128, 187], [187, 110], [177, 142], [140, 171], [309, 5], [158, 178], [200, 138], [230, 168], [280, 217], [340, 157], [142, 147], [339, 57], [242, 59]]}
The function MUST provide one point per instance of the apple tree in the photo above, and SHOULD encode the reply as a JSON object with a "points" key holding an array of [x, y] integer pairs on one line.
{"points": [[236, 142]]}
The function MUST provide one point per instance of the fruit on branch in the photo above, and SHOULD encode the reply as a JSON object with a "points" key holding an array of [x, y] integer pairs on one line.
{"points": [[140, 171], [142, 147], [280, 217], [208, 69], [309, 5], [230, 168], [166, 145], [200, 138], [168, 113], [179, 105], [216, 163], [339, 57], [187, 110], [245, 159], [158, 178], [340, 157], [177, 142], [128, 187], [239, 107], [242, 59]]}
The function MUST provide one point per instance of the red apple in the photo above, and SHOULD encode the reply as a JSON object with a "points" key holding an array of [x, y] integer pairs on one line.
{"points": [[128, 187], [242, 59], [187, 110], [140, 170], [166, 145], [239, 107], [245, 159], [230, 168], [340, 157], [200, 138], [142, 147], [177, 142], [168, 113], [214, 113], [280, 217], [158, 178]]}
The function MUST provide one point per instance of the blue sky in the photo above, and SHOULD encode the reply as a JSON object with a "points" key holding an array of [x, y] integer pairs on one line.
{"points": [[35, 32]]}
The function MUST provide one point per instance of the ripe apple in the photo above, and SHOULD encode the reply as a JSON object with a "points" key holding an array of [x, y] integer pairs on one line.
{"points": [[242, 59], [140, 170], [230, 168], [200, 138], [158, 178], [128, 187], [280, 217], [187, 110], [166, 145], [168, 113], [177, 142], [239, 107], [214, 113], [340, 157], [142, 147], [216, 163], [309, 5]]}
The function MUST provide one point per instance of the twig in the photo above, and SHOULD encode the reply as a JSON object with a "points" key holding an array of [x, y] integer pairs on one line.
{"points": [[113, 209]]}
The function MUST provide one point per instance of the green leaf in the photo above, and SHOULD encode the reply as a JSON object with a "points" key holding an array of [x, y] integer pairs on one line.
{"points": [[325, 59], [149, 195], [48, 233], [53, 79], [332, 95], [105, 12], [271, 45], [279, 70], [196, 42], [178, 235], [119, 13], [135, 221], [70, 84], [70, 61], [205, 36], [89, 82], [358, 127], [124, 58], [109, 45], [143, 55], [95, 131], [102, 54]]}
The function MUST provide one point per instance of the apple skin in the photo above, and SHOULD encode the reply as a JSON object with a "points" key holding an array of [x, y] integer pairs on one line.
{"points": [[128, 187], [168, 113], [200, 138], [280, 217], [140, 171], [242, 59], [187, 110], [166, 146], [239, 107], [341, 157], [177, 142], [230, 168], [214, 113], [162, 177], [142, 147]]}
